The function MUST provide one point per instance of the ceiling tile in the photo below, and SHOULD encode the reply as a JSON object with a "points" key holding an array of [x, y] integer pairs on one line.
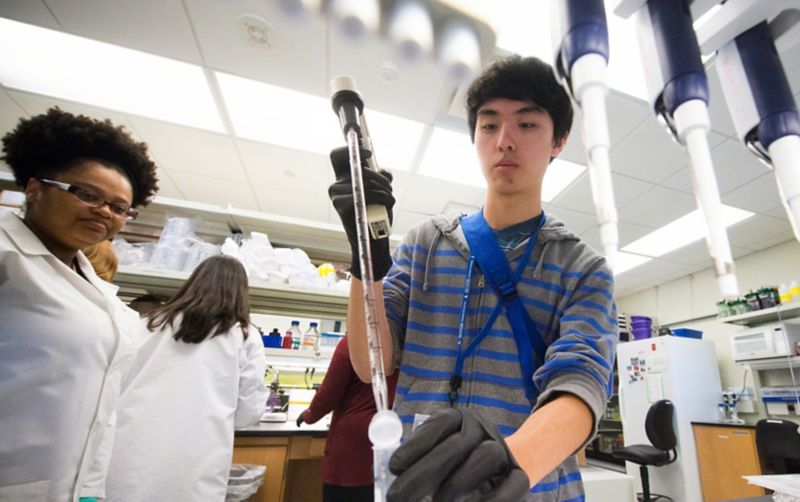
{"points": [[717, 107], [657, 207], [189, 150], [574, 151], [413, 90], [750, 232], [734, 166], [429, 195], [758, 195], [10, 113], [791, 68], [285, 169], [628, 232], [167, 187], [773, 241], [294, 204], [154, 26], [296, 57], [696, 254], [576, 221], [34, 104], [659, 268], [215, 191], [28, 11], [625, 114], [779, 211], [648, 153], [578, 196]]}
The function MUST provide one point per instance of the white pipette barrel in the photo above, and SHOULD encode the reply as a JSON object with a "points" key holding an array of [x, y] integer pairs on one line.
{"points": [[580, 36], [692, 126], [785, 153], [589, 86], [385, 429]]}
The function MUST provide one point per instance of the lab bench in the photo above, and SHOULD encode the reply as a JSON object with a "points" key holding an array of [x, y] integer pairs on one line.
{"points": [[293, 456]]}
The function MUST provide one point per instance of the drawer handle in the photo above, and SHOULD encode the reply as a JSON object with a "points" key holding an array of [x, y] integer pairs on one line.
{"points": [[722, 436], [741, 433]]}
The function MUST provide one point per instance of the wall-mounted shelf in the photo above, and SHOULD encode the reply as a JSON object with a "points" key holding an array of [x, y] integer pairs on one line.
{"points": [[267, 298], [783, 311], [298, 360], [773, 363]]}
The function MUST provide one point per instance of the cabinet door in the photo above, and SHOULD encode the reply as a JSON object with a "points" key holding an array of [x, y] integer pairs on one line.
{"points": [[272, 452], [724, 455]]}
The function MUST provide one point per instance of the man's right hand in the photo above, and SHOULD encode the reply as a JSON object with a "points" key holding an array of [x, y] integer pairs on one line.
{"points": [[377, 190]]}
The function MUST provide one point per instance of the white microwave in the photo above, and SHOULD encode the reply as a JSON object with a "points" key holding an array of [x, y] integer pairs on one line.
{"points": [[769, 340]]}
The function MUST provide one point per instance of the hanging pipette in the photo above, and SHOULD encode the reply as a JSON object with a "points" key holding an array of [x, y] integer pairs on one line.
{"points": [[757, 92], [385, 428], [678, 89], [580, 64]]}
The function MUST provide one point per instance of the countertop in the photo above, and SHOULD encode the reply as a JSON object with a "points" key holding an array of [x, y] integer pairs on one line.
{"points": [[725, 424], [289, 428]]}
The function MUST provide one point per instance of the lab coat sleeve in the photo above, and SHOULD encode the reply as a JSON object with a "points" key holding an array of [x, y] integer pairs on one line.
{"points": [[252, 391], [94, 484]]}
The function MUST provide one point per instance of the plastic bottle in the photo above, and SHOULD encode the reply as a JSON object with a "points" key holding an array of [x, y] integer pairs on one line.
{"points": [[286, 343], [794, 290], [297, 336], [785, 292], [311, 338]]}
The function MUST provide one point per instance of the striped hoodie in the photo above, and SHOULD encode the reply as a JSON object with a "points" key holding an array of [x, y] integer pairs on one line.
{"points": [[567, 289]]}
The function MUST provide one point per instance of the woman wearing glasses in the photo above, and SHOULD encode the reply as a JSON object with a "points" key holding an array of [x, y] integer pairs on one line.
{"points": [[65, 338]]}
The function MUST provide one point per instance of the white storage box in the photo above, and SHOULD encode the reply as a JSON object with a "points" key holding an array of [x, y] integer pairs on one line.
{"points": [[244, 481]]}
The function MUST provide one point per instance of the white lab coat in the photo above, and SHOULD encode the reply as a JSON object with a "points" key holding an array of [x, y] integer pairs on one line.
{"points": [[176, 417], [64, 346]]}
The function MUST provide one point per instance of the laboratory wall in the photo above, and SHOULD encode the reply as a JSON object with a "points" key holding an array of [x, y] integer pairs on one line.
{"points": [[690, 302]]}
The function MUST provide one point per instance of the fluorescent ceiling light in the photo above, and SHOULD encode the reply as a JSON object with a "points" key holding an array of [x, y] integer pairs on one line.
{"points": [[77, 69], [451, 156], [681, 232], [559, 175], [628, 261], [292, 119]]}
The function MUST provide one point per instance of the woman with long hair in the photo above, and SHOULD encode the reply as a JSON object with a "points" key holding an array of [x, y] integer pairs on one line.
{"points": [[199, 375], [65, 338]]}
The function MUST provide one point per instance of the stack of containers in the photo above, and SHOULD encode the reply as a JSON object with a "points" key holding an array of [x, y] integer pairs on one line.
{"points": [[641, 327]]}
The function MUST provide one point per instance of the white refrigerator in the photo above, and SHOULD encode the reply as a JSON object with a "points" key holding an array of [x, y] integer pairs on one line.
{"points": [[683, 370]]}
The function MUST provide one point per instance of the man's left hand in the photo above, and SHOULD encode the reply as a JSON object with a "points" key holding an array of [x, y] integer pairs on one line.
{"points": [[454, 455]]}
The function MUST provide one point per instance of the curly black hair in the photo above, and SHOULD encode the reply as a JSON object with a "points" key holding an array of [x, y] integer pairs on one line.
{"points": [[56, 140], [523, 79]]}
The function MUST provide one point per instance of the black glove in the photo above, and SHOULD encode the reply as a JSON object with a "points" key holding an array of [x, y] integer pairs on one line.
{"points": [[456, 456], [377, 190], [300, 418]]}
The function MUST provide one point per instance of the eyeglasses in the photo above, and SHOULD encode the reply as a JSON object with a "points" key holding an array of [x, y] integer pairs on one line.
{"points": [[93, 199]]}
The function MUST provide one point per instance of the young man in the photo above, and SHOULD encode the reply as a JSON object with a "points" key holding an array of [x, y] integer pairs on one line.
{"points": [[508, 360]]}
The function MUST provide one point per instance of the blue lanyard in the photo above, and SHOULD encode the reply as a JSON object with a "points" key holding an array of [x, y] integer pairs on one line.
{"points": [[456, 378]]}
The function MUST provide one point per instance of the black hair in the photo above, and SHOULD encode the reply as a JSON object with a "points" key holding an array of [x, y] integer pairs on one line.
{"points": [[56, 141], [521, 79], [211, 301]]}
